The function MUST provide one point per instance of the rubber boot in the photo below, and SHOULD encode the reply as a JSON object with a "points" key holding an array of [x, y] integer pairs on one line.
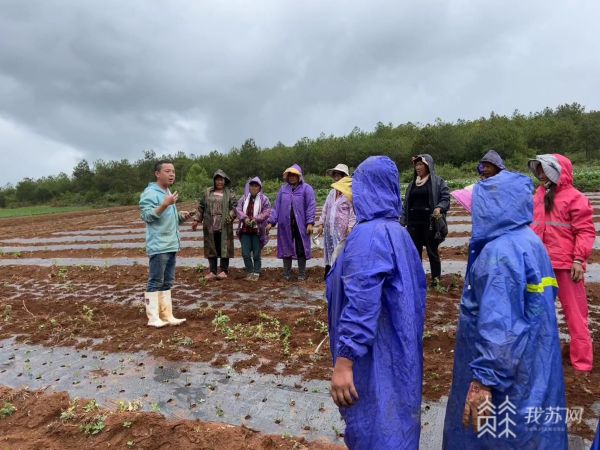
{"points": [[165, 307], [301, 269], [151, 301], [287, 268]]}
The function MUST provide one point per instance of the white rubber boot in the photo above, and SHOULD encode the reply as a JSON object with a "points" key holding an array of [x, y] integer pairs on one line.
{"points": [[165, 308], [151, 300]]}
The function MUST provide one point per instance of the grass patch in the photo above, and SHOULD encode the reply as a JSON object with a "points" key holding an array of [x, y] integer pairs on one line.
{"points": [[7, 213]]}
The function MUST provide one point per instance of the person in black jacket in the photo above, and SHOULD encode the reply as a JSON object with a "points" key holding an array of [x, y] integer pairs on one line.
{"points": [[426, 202]]}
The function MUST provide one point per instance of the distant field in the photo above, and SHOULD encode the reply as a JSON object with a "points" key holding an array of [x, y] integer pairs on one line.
{"points": [[39, 210]]}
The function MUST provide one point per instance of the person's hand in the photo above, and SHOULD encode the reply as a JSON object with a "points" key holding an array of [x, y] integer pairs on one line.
{"points": [[478, 394], [185, 215], [437, 212], [343, 391], [171, 199], [309, 229], [268, 228], [228, 219], [247, 221], [577, 272], [194, 225], [318, 230]]}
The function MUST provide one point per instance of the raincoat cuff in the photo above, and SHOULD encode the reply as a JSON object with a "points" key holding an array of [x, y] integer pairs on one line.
{"points": [[346, 352], [484, 378]]}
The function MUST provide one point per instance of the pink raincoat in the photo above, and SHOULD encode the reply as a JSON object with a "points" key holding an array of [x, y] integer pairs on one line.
{"points": [[568, 231], [337, 219]]}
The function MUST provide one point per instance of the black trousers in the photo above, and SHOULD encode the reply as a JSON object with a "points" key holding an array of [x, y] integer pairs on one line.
{"points": [[423, 237], [212, 262]]}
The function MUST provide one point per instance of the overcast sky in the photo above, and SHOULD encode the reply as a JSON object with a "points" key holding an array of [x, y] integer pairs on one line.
{"points": [[110, 79]]}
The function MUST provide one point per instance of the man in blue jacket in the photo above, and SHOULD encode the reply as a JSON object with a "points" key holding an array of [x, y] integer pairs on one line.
{"points": [[158, 210], [508, 377], [376, 297]]}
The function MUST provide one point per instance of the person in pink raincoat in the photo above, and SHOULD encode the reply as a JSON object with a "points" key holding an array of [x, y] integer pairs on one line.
{"points": [[337, 217], [563, 219], [294, 214], [253, 210]]}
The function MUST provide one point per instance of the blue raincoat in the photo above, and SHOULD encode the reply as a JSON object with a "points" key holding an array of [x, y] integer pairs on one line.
{"points": [[507, 335], [376, 298]]}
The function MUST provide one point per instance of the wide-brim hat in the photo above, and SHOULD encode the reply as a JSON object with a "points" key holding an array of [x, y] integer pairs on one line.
{"points": [[342, 168]]}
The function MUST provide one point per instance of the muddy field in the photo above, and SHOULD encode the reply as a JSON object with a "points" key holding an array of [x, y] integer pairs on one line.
{"points": [[269, 338]]}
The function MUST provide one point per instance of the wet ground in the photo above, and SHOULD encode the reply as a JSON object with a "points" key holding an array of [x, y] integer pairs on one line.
{"points": [[75, 324]]}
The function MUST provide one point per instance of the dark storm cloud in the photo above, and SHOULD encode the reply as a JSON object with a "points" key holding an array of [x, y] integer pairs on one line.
{"points": [[111, 79]]}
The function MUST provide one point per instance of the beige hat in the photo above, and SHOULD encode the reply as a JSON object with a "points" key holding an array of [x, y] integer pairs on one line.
{"points": [[342, 168]]}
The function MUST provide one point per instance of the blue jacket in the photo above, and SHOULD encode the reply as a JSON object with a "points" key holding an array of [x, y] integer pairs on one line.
{"points": [[376, 298], [596, 443], [162, 232], [507, 335]]}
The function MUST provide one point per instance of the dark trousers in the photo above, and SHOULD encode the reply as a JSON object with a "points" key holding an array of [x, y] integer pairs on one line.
{"points": [[423, 237], [212, 262], [251, 252], [161, 272]]}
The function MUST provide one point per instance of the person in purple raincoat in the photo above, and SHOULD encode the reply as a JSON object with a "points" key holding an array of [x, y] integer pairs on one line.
{"points": [[294, 214], [253, 210]]}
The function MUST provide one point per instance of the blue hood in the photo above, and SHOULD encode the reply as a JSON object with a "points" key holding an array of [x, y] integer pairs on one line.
{"points": [[500, 204], [376, 190]]}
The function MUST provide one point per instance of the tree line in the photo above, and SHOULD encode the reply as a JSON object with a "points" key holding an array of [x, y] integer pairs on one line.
{"points": [[455, 147]]}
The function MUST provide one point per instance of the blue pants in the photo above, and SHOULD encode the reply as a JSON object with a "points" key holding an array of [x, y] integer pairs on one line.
{"points": [[161, 272], [251, 252]]}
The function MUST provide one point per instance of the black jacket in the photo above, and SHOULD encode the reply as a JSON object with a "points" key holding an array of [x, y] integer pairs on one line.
{"points": [[439, 189]]}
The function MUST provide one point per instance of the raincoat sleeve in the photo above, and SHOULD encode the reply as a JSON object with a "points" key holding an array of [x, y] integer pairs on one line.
{"points": [[199, 216], [239, 209], [148, 204], [367, 263], [502, 329], [583, 228], [265, 212], [325, 210], [310, 203], [444, 196], [404, 216], [352, 219], [232, 204], [275, 211]]}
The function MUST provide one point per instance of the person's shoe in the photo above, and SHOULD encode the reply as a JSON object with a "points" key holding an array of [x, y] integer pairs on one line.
{"points": [[435, 282], [222, 276], [151, 302], [287, 277], [165, 308], [302, 277], [255, 276], [250, 277], [211, 276]]}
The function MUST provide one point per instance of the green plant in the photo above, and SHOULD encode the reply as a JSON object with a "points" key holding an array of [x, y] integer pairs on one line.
{"points": [[70, 413], [7, 410], [94, 427], [219, 411], [63, 273], [7, 315], [155, 408], [127, 424], [90, 406], [124, 406], [88, 313]]}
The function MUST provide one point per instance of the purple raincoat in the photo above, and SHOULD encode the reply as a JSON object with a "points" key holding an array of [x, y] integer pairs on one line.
{"points": [[262, 217], [304, 204]]}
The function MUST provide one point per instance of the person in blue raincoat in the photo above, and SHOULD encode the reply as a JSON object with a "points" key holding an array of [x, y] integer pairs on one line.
{"points": [[507, 362], [376, 296]]}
